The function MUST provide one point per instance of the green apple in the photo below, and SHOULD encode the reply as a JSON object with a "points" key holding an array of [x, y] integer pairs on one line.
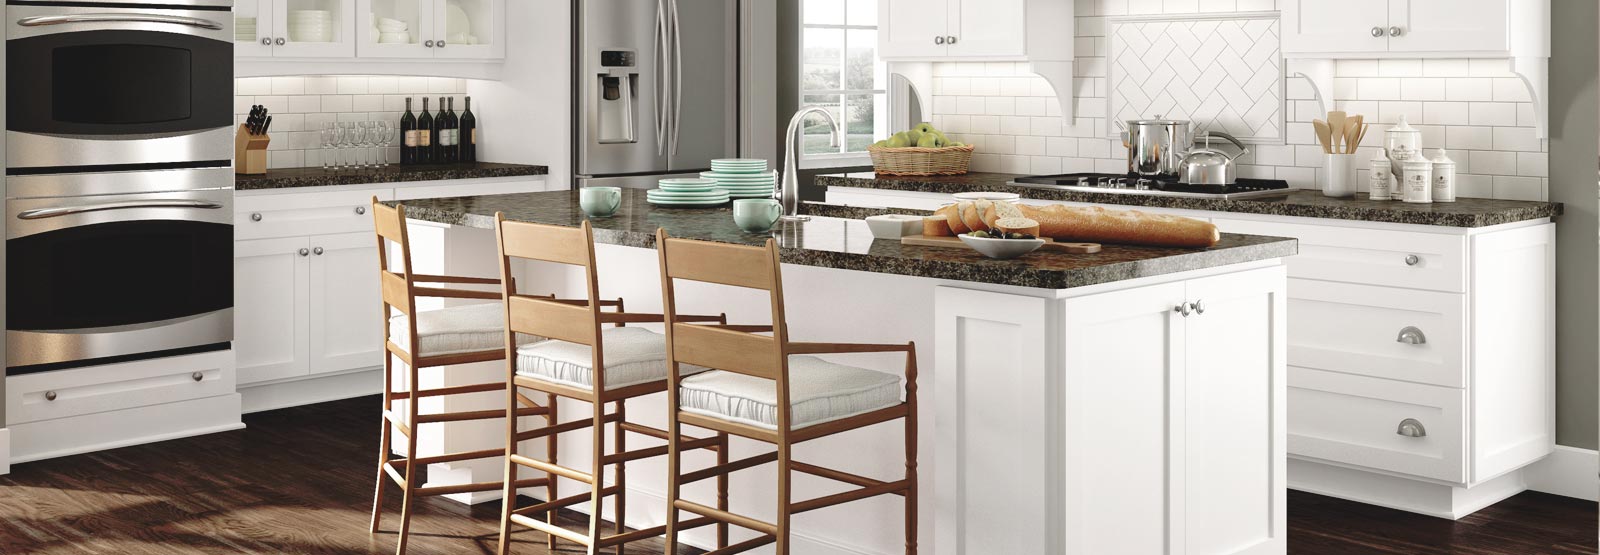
{"points": [[899, 140], [925, 127], [929, 140]]}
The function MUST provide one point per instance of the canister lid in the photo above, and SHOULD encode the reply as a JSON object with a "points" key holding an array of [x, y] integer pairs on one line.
{"points": [[1403, 127], [1441, 158]]}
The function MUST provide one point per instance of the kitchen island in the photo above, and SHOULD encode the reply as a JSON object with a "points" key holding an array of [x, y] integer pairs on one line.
{"points": [[1128, 401]]}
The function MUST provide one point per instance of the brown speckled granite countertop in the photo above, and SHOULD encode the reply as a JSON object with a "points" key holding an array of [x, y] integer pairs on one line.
{"points": [[1465, 212], [316, 177], [847, 244]]}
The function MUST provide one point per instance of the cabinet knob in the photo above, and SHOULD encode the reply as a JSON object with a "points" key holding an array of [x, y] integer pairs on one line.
{"points": [[1378, 31], [197, 376], [938, 40], [317, 251], [361, 210], [1410, 335], [1410, 427], [1413, 260], [950, 40], [439, 44], [1199, 306], [255, 217], [428, 43], [266, 41], [1183, 308], [280, 41], [49, 395], [1396, 31], [305, 251]]}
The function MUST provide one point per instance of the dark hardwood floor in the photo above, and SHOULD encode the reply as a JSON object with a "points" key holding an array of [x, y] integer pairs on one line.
{"points": [[299, 481]]}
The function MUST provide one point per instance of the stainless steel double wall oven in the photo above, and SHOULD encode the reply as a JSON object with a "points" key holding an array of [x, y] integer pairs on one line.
{"points": [[119, 186]]}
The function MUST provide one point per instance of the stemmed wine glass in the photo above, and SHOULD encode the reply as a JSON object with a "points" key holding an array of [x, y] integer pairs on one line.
{"points": [[386, 133], [348, 132], [330, 141]]}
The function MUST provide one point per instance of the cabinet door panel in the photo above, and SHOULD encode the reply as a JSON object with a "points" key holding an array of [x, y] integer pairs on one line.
{"points": [[908, 28], [470, 29], [416, 15], [1314, 26], [346, 318], [307, 36], [1233, 372], [987, 28], [1449, 25], [1123, 353], [253, 23], [269, 309]]}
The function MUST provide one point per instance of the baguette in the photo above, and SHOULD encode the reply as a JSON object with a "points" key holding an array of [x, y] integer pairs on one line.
{"points": [[952, 214], [1017, 225], [972, 214], [937, 226], [1099, 225]]}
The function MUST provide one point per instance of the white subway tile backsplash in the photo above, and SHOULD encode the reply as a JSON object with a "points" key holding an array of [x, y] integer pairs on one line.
{"points": [[1469, 138], [1000, 106], [1491, 162], [1520, 139], [1446, 68], [1400, 68], [1421, 89], [1446, 113], [253, 86], [300, 106], [1533, 164], [1468, 89], [1511, 89], [1493, 113]]}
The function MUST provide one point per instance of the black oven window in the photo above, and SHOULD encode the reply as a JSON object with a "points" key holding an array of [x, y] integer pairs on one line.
{"points": [[116, 274], [122, 84]]}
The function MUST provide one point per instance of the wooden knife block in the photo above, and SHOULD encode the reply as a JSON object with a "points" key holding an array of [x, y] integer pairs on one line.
{"points": [[250, 152]]}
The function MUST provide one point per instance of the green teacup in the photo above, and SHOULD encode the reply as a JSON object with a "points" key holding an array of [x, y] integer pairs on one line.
{"points": [[756, 215], [599, 202]]}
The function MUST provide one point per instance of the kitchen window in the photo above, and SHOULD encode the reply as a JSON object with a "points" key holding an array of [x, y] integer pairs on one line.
{"points": [[840, 70]]}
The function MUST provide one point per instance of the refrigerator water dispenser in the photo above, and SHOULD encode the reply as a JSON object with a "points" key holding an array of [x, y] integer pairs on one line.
{"points": [[618, 81]]}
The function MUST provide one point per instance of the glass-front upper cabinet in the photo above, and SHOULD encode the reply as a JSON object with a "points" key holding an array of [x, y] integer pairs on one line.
{"points": [[469, 29], [294, 28], [396, 28]]}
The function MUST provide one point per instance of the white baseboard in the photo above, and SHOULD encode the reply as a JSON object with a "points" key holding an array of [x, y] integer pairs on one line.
{"points": [[5, 451], [311, 390], [1405, 494], [1569, 471]]}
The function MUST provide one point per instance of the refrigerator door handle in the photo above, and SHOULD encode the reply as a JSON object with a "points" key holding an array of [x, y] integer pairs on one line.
{"points": [[659, 72], [677, 76]]}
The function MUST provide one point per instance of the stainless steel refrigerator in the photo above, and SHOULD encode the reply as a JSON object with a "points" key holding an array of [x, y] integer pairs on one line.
{"points": [[656, 89]]}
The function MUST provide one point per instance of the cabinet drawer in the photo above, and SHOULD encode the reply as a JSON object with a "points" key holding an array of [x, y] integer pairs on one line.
{"points": [[264, 216], [1354, 420], [1356, 329], [83, 391], [1409, 259]]}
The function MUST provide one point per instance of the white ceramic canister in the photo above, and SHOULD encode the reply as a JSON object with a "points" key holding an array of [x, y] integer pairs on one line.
{"points": [[1444, 177], [1342, 178], [1417, 180], [1403, 143], [1380, 180]]}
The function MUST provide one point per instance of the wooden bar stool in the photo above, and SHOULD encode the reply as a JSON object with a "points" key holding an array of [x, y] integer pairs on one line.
{"points": [[763, 388], [582, 361], [434, 338]]}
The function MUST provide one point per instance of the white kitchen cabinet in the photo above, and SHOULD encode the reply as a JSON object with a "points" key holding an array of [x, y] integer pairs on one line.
{"points": [[913, 34], [281, 33], [1165, 402], [346, 325], [271, 296], [445, 29], [1316, 32]]}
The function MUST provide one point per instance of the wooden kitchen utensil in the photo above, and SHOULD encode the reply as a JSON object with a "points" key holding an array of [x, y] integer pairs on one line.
{"points": [[1352, 134], [954, 242], [1324, 134], [250, 152], [1336, 121]]}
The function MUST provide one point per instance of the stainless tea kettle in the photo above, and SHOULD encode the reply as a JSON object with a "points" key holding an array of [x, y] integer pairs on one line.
{"points": [[1157, 147], [1206, 166]]}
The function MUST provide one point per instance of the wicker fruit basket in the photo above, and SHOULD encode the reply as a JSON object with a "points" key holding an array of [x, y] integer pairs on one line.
{"points": [[950, 160]]}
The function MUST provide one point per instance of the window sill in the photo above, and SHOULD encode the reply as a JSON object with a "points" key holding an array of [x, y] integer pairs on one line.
{"points": [[823, 162]]}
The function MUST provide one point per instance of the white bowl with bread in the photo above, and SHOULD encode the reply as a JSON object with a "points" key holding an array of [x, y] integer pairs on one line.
{"points": [[1000, 246]]}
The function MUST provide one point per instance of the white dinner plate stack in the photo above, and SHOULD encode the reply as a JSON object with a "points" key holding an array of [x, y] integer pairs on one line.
{"points": [[244, 29], [311, 25], [687, 192], [393, 31], [743, 177]]}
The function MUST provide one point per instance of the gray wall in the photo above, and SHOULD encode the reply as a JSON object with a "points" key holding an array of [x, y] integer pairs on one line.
{"points": [[1574, 111]]}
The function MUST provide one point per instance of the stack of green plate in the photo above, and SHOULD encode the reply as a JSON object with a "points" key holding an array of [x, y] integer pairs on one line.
{"points": [[743, 177], [688, 193]]}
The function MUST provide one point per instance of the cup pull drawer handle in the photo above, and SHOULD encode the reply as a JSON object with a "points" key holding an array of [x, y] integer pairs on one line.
{"points": [[1410, 427], [1410, 335]]}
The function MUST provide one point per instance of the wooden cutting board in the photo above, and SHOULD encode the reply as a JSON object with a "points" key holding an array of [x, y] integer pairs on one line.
{"points": [[953, 242]]}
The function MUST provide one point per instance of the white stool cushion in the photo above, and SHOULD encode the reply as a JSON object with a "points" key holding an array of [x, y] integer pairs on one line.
{"points": [[819, 391], [455, 330], [633, 356]]}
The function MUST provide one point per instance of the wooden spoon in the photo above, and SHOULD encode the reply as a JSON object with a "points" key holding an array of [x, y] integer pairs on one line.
{"points": [[1336, 120], [1352, 134], [1324, 134]]}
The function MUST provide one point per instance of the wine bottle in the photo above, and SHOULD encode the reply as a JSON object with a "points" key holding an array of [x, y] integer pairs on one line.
{"points": [[453, 148], [408, 132], [469, 134], [439, 128], [425, 135]]}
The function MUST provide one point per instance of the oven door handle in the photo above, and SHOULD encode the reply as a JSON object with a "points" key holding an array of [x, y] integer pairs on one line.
{"points": [[42, 213], [43, 20]]}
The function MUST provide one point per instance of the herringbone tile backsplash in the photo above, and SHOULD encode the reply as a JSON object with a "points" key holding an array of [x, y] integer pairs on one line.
{"points": [[1477, 109]]}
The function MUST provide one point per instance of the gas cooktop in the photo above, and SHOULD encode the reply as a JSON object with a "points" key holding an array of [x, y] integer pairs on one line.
{"points": [[1130, 184]]}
